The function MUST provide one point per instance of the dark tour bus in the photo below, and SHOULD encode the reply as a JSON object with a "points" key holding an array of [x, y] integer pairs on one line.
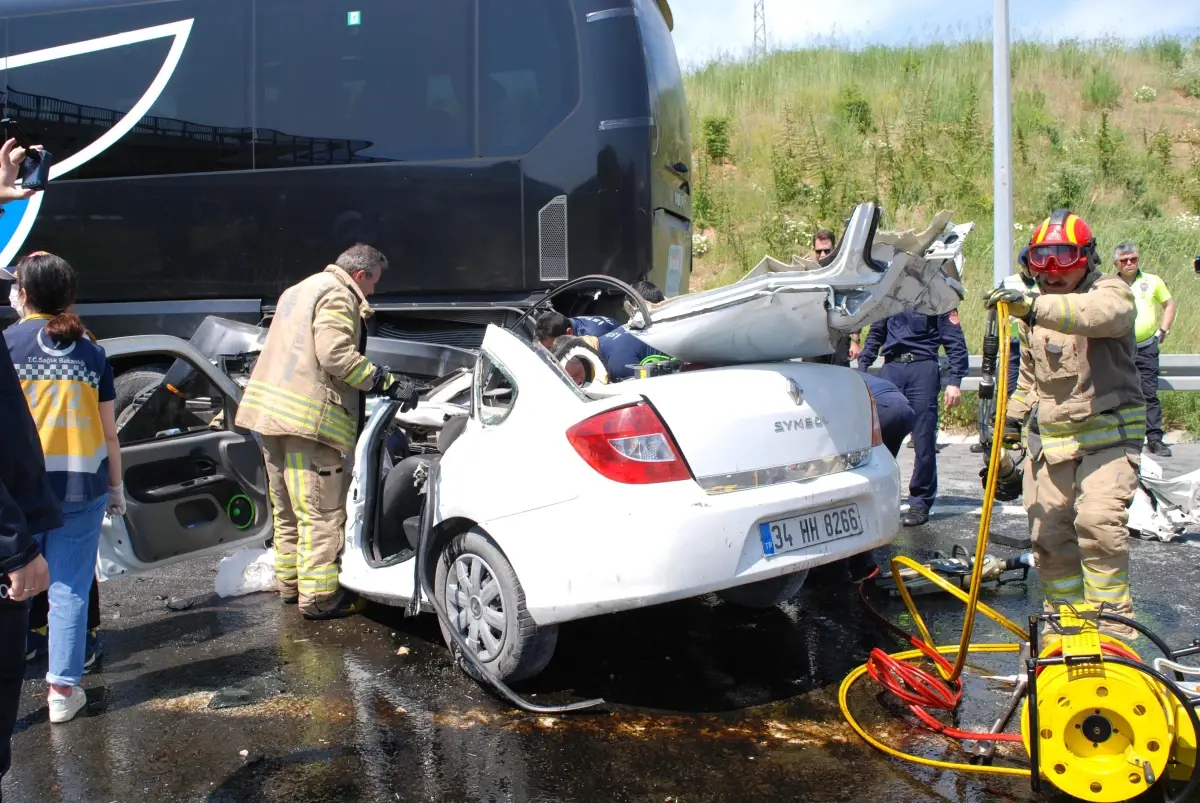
{"points": [[209, 153]]}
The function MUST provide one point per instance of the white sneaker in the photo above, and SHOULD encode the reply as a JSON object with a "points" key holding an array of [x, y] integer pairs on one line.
{"points": [[64, 707]]}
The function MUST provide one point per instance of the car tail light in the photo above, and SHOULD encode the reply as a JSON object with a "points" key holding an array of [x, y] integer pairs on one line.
{"points": [[629, 444], [876, 431]]}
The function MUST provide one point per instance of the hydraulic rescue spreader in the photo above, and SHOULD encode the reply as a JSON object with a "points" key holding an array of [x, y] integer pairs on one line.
{"points": [[1097, 721]]}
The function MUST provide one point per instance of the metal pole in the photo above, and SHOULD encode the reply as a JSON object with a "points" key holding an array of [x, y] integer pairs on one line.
{"points": [[1002, 145]]}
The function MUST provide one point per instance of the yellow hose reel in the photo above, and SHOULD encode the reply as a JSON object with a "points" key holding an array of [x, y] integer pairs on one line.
{"points": [[1105, 732]]}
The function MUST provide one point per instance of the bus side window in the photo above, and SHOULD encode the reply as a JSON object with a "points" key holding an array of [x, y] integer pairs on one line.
{"points": [[529, 72], [390, 80]]}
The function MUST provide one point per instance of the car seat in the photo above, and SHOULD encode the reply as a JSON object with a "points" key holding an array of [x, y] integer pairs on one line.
{"points": [[400, 503]]}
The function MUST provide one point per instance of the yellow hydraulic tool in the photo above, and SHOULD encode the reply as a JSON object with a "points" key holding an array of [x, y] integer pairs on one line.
{"points": [[1098, 723]]}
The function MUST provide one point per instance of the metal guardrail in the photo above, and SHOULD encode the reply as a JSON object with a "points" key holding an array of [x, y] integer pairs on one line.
{"points": [[1175, 372]]}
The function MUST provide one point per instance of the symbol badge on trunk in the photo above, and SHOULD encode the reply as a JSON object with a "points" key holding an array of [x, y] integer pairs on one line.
{"points": [[795, 392]]}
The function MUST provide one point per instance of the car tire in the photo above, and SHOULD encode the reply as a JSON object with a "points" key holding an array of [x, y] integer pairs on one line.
{"points": [[522, 649], [765, 593], [129, 384]]}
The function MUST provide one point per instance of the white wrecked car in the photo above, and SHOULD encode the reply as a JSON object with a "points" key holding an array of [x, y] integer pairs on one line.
{"points": [[556, 502]]}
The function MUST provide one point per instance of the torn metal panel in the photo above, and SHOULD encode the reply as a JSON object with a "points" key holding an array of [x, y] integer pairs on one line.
{"points": [[1161, 508], [780, 311]]}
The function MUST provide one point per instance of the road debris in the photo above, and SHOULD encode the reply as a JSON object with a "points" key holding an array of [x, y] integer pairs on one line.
{"points": [[248, 692]]}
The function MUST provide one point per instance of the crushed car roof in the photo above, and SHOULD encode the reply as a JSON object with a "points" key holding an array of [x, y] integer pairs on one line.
{"points": [[781, 312]]}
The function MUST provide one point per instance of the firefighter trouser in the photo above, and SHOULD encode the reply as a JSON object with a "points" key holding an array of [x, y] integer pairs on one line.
{"points": [[307, 483], [1077, 517]]}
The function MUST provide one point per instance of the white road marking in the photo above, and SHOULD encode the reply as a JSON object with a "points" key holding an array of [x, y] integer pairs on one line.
{"points": [[975, 510]]}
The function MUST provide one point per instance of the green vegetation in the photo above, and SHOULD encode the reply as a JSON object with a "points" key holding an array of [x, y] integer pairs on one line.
{"points": [[790, 143], [1101, 91]]}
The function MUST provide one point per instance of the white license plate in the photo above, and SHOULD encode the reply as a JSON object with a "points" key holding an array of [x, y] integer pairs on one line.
{"points": [[810, 529]]}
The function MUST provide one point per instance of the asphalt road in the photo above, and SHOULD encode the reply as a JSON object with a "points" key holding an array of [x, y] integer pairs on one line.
{"points": [[705, 702]]}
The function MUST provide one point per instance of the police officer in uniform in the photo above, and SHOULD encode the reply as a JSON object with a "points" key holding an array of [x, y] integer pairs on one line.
{"points": [[910, 344]]}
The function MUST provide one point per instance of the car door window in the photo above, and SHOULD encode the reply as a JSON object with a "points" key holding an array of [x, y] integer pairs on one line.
{"points": [[184, 401], [495, 391]]}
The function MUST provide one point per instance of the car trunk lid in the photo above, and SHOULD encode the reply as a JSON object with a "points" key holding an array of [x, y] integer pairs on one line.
{"points": [[756, 425]]}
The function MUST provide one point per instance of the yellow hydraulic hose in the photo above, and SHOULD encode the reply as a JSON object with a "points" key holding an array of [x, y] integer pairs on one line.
{"points": [[964, 647]]}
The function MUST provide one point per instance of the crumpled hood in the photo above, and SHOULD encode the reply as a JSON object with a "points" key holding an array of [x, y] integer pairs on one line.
{"points": [[780, 312]]}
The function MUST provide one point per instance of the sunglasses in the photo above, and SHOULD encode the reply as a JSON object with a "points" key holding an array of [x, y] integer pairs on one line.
{"points": [[1127, 261], [1064, 255], [822, 251]]}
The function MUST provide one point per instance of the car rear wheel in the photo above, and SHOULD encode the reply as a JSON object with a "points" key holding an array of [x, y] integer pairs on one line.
{"points": [[765, 593], [486, 603]]}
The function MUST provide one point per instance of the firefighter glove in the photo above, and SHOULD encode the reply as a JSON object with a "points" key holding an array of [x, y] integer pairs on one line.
{"points": [[1020, 304], [1012, 431], [399, 388]]}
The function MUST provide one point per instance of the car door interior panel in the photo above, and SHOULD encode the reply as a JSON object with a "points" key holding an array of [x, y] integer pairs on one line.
{"points": [[183, 497], [193, 481]]}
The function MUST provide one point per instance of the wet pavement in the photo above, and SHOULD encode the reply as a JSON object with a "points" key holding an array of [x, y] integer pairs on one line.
{"points": [[706, 702]]}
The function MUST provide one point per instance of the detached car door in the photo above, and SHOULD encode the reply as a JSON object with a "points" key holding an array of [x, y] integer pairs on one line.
{"points": [[195, 484]]}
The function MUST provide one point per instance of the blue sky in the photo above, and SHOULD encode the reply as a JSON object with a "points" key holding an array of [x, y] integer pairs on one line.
{"points": [[706, 28]]}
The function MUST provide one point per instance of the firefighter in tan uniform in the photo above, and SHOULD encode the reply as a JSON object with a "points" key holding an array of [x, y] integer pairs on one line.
{"points": [[304, 401], [1079, 389]]}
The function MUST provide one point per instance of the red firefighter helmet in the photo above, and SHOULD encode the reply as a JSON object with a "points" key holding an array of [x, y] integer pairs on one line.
{"points": [[1063, 242]]}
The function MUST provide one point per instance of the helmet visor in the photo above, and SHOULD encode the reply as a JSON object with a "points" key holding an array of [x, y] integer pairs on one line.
{"points": [[1058, 256]]}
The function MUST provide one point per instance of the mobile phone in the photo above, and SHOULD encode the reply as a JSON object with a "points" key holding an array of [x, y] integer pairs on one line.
{"points": [[35, 167], [1196, 264]]}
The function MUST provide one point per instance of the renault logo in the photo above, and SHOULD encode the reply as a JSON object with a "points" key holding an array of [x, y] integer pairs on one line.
{"points": [[795, 392]]}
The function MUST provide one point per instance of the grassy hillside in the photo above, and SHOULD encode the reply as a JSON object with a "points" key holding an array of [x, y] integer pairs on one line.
{"points": [[790, 143]]}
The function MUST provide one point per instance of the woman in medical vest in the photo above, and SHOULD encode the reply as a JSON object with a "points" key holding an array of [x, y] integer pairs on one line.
{"points": [[68, 384]]}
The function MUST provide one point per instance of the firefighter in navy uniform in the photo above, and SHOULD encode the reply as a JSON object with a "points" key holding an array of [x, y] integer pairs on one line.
{"points": [[592, 325], [910, 344]]}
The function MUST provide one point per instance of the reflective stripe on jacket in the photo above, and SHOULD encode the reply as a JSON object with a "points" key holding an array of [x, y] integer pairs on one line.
{"points": [[308, 378], [64, 384], [1078, 375]]}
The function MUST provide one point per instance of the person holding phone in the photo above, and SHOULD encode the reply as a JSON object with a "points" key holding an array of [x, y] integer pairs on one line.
{"points": [[33, 170], [28, 505]]}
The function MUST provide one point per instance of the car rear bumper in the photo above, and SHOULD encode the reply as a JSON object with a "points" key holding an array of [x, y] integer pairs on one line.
{"points": [[631, 546]]}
